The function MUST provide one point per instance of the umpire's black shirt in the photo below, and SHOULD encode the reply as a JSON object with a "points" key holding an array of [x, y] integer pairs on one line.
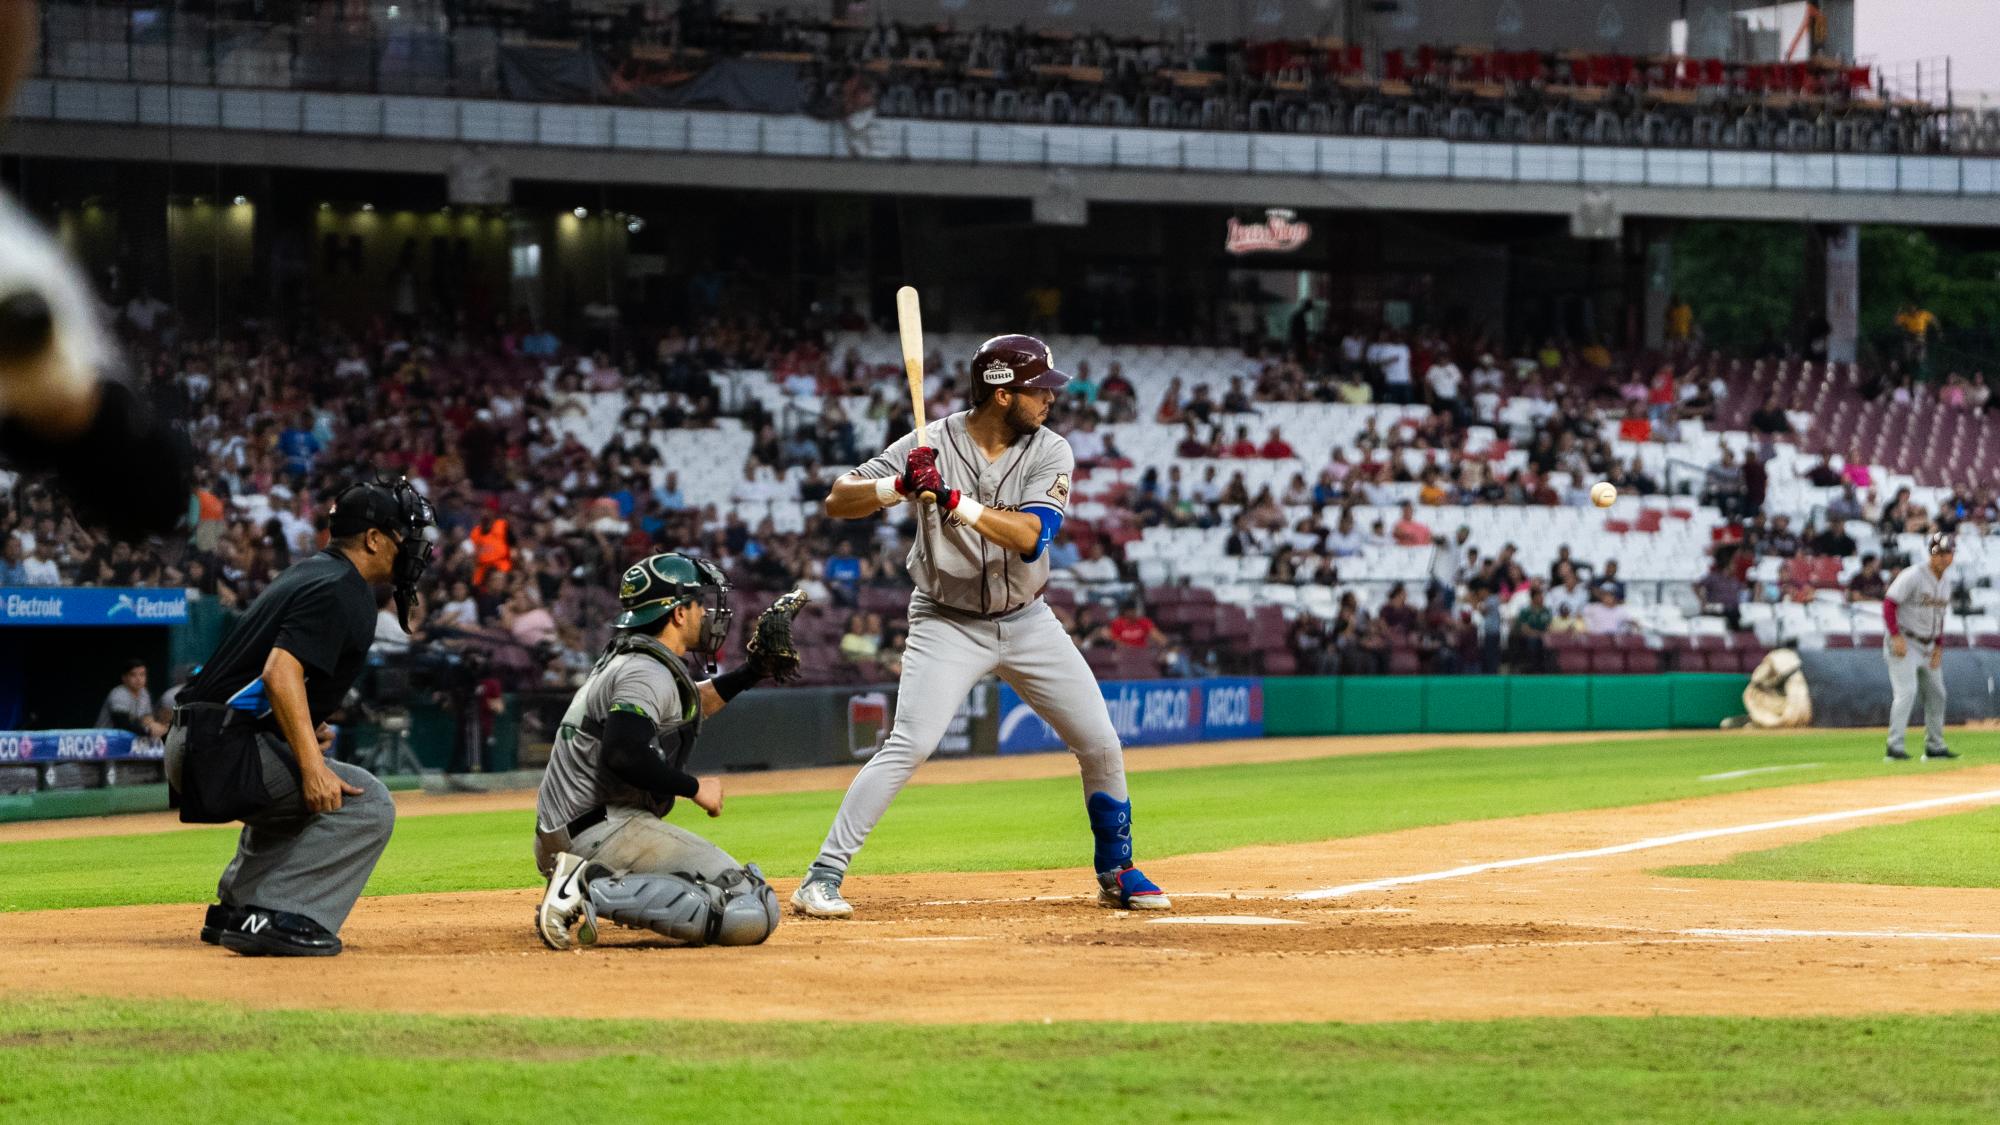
{"points": [[321, 611]]}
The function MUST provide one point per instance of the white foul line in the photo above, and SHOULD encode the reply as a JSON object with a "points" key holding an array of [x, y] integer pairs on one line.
{"points": [[1754, 772], [1651, 842], [1908, 935]]}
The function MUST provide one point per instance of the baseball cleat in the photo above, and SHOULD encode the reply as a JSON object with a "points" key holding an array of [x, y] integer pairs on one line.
{"points": [[1896, 755], [564, 904], [1940, 752], [1128, 889], [820, 898], [218, 919], [258, 932]]}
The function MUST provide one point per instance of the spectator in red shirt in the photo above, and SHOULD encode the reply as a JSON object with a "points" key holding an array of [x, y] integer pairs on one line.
{"points": [[1408, 531], [1192, 446], [1242, 446], [1133, 629], [1275, 447]]}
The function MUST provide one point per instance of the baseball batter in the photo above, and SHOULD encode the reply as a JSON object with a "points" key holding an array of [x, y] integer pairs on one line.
{"points": [[1001, 483], [1914, 613]]}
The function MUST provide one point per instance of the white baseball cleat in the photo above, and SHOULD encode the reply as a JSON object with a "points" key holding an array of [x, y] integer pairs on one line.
{"points": [[820, 898], [564, 903], [1128, 889]]}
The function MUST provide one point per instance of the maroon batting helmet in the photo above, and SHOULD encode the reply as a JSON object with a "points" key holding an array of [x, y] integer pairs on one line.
{"points": [[1014, 362]]}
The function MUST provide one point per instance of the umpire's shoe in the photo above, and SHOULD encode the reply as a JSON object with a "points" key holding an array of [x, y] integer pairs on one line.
{"points": [[259, 932], [218, 919]]}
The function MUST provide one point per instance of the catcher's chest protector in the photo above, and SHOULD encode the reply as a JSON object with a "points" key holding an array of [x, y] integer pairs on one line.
{"points": [[675, 734]]}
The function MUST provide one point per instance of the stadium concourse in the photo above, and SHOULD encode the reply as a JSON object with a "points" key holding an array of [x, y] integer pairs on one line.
{"points": [[1268, 520], [617, 52]]}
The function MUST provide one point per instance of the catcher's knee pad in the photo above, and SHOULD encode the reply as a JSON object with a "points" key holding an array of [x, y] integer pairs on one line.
{"points": [[749, 910], [684, 909]]}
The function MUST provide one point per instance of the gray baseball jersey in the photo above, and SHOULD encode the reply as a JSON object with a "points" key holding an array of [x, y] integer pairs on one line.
{"points": [[1921, 598], [956, 566], [576, 780]]}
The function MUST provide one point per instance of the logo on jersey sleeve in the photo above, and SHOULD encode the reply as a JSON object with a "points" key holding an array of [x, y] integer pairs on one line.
{"points": [[1059, 491]]}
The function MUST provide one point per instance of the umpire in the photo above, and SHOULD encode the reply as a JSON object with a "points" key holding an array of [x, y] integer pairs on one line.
{"points": [[249, 735]]}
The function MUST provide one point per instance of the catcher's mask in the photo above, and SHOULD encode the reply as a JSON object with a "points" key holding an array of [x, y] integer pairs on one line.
{"points": [[657, 585], [397, 509]]}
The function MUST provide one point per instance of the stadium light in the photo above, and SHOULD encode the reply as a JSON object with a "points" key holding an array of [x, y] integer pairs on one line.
{"points": [[241, 201], [581, 212]]}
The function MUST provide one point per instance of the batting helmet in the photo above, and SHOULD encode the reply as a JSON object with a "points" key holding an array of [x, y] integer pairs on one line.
{"points": [[659, 584], [1014, 362], [1943, 543]]}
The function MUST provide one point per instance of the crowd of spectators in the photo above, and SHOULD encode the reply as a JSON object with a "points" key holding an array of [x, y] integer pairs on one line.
{"points": [[534, 525]]}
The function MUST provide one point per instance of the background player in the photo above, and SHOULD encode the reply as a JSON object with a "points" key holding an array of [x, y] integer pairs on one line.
{"points": [[980, 564], [1914, 612], [619, 762]]}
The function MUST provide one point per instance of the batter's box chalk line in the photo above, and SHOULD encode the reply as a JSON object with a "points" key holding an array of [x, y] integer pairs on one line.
{"points": [[1984, 797]]}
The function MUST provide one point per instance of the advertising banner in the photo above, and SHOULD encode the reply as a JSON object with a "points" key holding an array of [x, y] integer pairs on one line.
{"points": [[91, 605], [18, 746], [1149, 713]]}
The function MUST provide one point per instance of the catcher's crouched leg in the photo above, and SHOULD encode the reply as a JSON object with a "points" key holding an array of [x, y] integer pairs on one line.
{"points": [[735, 908]]}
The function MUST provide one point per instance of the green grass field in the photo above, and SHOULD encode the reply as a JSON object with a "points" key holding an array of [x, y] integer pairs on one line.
{"points": [[1020, 825], [80, 1062], [1960, 850]]}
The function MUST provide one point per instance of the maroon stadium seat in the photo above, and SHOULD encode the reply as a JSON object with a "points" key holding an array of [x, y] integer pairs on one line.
{"points": [[1607, 662], [1574, 660]]}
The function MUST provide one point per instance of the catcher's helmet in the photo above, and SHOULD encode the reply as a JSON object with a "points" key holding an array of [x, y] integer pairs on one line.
{"points": [[1943, 543], [1014, 362], [659, 584]]}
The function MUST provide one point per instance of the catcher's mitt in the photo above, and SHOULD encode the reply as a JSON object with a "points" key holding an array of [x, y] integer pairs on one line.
{"points": [[772, 653]]}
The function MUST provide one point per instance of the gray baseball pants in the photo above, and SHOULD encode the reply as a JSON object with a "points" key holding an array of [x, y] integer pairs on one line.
{"points": [[291, 859], [635, 841], [948, 653], [1907, 678]]}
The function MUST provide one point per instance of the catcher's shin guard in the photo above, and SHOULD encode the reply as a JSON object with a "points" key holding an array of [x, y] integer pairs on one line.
{"points": [[736, 909]]}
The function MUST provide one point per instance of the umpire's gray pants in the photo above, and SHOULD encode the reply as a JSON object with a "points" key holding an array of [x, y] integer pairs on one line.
{"points": [[1908, 677], [291, 859], [633, 841]]}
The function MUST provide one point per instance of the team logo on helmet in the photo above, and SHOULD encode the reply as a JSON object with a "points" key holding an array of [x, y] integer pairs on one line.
{"points": [[635, 581], [997, 373]]}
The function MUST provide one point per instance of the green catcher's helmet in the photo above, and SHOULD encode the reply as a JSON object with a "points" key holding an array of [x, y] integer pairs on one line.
{"points": [[657, 585]]}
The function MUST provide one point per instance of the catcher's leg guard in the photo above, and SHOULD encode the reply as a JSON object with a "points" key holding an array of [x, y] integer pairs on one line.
{"points": [[750, 911], [686, 910], [738, 908]]}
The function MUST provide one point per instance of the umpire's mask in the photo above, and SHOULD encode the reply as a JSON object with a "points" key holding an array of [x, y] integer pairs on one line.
{"points": [[393, 507]]}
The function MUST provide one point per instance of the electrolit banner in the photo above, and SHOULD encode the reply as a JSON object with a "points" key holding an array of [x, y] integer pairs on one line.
{"points": [[18, 746], [91, 605], [1149, 713]]}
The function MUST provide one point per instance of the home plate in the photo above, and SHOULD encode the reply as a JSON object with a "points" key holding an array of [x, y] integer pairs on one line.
{"points": [[1223, 920]]}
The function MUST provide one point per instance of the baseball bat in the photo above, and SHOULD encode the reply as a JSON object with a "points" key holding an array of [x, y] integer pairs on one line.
{"points": [[910, 326]]}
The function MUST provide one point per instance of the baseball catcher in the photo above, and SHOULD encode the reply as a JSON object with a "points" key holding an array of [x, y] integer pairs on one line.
{"points": [[620, 762]]}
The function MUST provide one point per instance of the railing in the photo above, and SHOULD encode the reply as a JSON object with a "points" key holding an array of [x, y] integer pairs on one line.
{"points": [[626, 129]]}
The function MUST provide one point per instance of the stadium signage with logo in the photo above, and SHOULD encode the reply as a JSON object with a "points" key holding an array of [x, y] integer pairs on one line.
{"points": [[91, 605], [1148, 712], [77, 746], [1280, 232]]}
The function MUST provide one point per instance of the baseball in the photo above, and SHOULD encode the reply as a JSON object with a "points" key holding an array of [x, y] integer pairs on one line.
{"points": [[1603, 493]]}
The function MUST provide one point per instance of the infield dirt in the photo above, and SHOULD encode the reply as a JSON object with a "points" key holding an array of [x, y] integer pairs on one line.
{"points": [[1587, 936]]}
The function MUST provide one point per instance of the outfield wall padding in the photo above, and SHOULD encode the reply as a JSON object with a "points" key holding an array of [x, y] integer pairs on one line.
{"points": [[1850, 687], [1317, 705]]}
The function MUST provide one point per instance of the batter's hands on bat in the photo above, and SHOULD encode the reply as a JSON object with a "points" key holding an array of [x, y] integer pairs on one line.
{"points": [[922, 459], [708, 794], [1898, 647]]}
